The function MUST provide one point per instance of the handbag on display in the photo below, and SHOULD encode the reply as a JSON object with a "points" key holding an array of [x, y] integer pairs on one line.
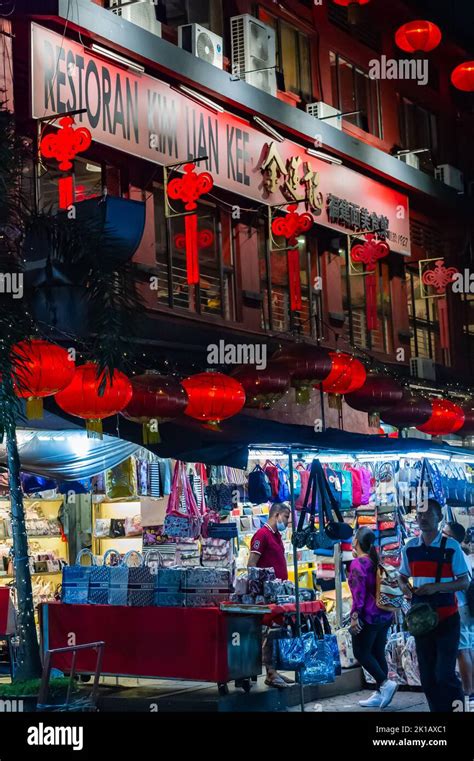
{"points": [[102, 528], [388, 595], [356, 486], [304, 479], [133, 526], [260, 489], [120, 481], [344, 641], [220, 497], [99, 581], [365, 484], [284, 493], [141, 582], [222, 531], [210, 517], [182, 515], [334, 483], [271, 471], [322, 620], [75, 580], [345, 478], [117, 527]]}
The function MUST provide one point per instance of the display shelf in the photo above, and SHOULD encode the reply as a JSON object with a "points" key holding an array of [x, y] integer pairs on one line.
{"points": [[40, 573]]}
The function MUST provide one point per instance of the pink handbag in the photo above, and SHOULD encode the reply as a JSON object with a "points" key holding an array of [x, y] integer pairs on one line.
{"points": [[182, 514], [365, 479], [304, 475]]}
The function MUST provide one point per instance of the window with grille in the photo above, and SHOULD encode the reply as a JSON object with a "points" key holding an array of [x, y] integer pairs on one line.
{"points": [[214, 295], [354, 303], [292, 55], [424, 324]]}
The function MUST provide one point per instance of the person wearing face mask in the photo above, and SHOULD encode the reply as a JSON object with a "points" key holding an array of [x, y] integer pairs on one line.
{"points": [[369, 624], [267, 551]]}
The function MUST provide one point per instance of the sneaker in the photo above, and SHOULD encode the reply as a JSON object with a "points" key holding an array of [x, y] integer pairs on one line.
{"points": [[388, 690], [374, 701]]}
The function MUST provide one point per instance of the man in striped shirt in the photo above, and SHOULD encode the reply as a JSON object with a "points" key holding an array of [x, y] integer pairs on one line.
{"points": [[437, 650]]}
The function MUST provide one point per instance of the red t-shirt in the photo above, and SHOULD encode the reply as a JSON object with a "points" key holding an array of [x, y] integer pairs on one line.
{"points": [[269, 545]]}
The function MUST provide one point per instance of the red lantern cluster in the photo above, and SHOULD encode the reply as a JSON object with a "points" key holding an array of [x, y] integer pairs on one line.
{"points": [[156, 399], [263, 387], [82, 398], [213, 397], [411, 411], [40, 369], [347, 375], [463, 76], [306, 364], [418, 36], [446, 417], [378, 393]]}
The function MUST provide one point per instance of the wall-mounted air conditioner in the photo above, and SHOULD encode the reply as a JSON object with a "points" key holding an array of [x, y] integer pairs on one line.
{"points": [[411, 159], [322, 110], [142, 13], [422, 367], [450, 176], [202, 43], [253, 52]]}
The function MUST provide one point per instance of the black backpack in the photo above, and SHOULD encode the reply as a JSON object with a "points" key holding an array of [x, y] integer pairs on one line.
{"points": [[260, 489]]}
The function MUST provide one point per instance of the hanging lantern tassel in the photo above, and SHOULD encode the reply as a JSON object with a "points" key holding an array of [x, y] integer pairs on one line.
{"points": [[371, 300], [150, 435], [374, 420], [94, 429], [213, 425], [335, 402], [303, 395], [66, 192], [34, 408], [294, 281], [443, 323], [192, 257]]}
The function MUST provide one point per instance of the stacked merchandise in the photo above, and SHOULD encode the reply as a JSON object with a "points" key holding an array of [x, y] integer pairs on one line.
{"points": [[402, 660], [260, 586]]}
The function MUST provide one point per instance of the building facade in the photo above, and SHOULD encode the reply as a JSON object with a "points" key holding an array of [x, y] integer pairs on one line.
{"points": [[398, 161]]}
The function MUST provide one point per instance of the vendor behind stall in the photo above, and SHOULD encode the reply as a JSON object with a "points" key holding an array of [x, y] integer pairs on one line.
{"points": [[267, 551]]}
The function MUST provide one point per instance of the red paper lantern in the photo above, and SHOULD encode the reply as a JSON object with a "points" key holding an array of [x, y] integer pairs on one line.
{"points": [[189, 189], [213, 397], [263, 387], [156, 399], [353, 8], [306, 364], [65, 144], [468, 426], [347, 375], [378, 393], [40, 369], [82, 399], [446, 417], [413, 410], [418, 36], [462, 76]]}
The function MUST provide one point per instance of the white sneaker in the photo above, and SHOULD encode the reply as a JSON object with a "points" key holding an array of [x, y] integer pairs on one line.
{"points": [[374, 701], [388, 690]]}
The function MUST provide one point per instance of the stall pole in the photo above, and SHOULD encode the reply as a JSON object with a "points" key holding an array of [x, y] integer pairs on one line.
{"points": [[338, 569], [323, 412], [295, 563]]}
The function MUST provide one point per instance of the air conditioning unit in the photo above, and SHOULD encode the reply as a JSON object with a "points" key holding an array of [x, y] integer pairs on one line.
{"points": [[253, 52], [450, 176], [142, 13], [322, 110], [202, 43], [422, 367], [411, 159]]}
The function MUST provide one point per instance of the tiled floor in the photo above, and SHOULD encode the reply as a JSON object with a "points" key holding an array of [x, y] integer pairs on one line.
{"points": [[404, 702]]}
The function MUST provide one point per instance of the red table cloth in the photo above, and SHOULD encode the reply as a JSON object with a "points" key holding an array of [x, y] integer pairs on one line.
{"points": [[278, 611], [182, 643]]}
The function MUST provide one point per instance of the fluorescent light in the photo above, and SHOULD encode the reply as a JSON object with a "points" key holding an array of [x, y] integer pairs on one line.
{"points": [[272, 132], [323, 156], [334, 458], [200, 98], [375, 457], [421, 455], [131, 65]]}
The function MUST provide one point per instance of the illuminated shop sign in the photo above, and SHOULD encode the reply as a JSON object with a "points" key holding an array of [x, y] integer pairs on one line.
{"points": [[144, 117]]}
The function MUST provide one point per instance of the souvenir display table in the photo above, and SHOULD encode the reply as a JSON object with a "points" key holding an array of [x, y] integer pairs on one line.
{"points": [[202, 644]]}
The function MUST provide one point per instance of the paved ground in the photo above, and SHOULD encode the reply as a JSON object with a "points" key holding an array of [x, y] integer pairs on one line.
{"points": [[403, 702]]}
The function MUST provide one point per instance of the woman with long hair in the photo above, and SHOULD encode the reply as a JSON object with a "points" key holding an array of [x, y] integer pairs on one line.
{"points": [[369, 624]]}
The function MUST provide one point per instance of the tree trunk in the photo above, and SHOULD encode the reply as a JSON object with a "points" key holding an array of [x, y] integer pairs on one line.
{"points": [[29, 661]]}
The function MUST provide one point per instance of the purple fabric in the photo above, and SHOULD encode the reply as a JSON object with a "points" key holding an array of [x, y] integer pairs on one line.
{"points": [[362, 585]]}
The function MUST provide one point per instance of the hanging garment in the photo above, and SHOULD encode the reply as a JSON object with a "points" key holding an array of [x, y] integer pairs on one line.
{"points": [[154, 489]]}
